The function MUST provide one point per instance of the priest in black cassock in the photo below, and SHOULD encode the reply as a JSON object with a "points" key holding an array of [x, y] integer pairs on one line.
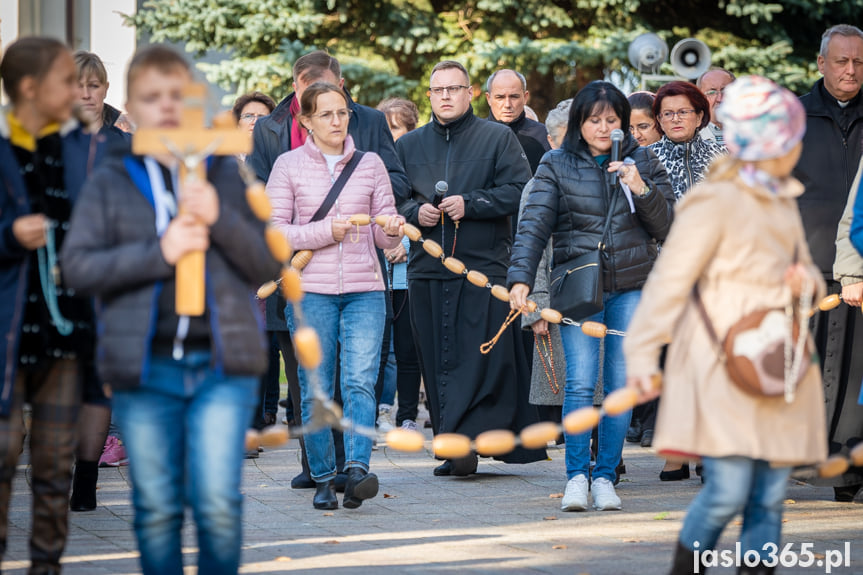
{"points": [[484, 169]]}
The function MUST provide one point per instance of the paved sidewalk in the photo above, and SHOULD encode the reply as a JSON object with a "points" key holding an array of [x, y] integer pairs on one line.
{"points": [[505, 519]]}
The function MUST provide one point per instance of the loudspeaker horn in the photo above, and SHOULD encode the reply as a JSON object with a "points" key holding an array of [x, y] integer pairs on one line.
{"points": [[690, 58], [647, 52]]}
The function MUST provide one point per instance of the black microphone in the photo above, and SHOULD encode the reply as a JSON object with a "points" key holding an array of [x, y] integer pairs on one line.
{"points": [[616, 139], [440, 190]]}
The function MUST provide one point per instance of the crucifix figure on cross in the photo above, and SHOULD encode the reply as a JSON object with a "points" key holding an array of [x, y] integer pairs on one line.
{"points": [[191, 144]]}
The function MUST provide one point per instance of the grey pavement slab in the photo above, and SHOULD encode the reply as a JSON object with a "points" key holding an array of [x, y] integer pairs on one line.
{"points": [[505, 519]]}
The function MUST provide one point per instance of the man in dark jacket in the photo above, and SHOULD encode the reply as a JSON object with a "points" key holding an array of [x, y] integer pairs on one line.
{"points": [[280, 132], [484, 169], [832, 149], [506, 94]]}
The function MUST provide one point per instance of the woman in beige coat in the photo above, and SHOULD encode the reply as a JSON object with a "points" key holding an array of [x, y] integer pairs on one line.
{"points": [[739, 238]]}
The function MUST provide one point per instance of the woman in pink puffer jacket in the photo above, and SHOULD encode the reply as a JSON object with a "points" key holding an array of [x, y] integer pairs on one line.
{"points": [[344, 299]]}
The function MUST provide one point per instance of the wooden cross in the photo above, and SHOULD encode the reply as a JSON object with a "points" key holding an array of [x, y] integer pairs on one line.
{"points": [[191, 143]]}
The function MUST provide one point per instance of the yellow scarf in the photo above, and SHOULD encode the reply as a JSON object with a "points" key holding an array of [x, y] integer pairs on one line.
{"points": [[22, 138]]}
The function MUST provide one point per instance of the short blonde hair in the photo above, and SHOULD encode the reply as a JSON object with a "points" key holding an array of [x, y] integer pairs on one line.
{"points": [[89, 64]]}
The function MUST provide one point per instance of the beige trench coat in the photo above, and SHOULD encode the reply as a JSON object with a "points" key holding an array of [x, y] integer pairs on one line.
{"points": [[736, 242]]}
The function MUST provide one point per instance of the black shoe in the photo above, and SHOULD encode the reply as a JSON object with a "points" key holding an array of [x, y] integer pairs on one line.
{"points": [[360, 486], [845, 494], [684, 562], [676, 474], [647, 438], [444, 469], [84, 486], [618, 471], [325, 496], [252, 453], [302, 481], [635, 432], [283, 402], [341, 481], [464, 466]]}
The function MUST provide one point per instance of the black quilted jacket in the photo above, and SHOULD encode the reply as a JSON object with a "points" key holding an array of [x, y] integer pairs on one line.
{"points": [[569, 203]]}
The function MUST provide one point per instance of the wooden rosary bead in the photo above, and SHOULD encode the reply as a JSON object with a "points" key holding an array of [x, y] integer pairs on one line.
{"points": [[292, 285], [274, 436], [530, 306], [405, 440], [278, 244], [267, 290], [834, 466], [551, 315], [382, 220], [451, 445], [594, 329], [830, 302], [454, 265], [256, 195], [252, 437], [432, 248], [495, 442], [301, 259], [538, 435], [412, 232], [478, 279], [360, 220], [856, 455], [500, 293], [308, 347], [620, 401], [581, 420]]}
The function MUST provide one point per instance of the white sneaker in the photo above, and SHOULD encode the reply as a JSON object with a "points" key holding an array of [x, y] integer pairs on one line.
{"points": [[385, 420], [604, 497], [410, 425], [575, 495]]}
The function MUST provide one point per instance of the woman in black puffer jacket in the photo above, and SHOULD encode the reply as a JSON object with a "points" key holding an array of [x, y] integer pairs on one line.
{"points": [[569, 203]]}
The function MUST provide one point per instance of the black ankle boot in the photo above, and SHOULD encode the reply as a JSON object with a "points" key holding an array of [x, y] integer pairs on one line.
{"points": [[684, 562], [84, 486], [325, 496], [360, 486], [675, 474]]}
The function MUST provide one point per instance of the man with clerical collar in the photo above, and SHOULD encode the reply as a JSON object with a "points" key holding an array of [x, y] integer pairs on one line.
{"points": [[832, 150], [466, 175], [506, 94], [712, 83]]}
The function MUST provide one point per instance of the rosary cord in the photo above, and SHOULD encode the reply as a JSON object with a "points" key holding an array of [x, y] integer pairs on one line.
{"points": [[47, 257]]}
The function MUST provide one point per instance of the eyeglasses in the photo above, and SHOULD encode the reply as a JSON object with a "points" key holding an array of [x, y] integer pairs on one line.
{"points": [[714, 93], [251, 117], [682, 114], [640, 127], [343, 114], [451, 90]]}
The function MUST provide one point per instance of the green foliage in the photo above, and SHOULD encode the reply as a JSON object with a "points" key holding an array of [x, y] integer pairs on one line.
{"points": [[388, 47]]}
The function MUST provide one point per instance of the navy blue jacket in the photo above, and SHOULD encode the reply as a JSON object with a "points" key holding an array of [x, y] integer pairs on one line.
{"points": [[14, 268]]}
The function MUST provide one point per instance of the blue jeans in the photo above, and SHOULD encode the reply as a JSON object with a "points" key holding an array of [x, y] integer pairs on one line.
{"points": [[737, 485], [184, 431], [388, 396], [582, 371], [355, 321]]}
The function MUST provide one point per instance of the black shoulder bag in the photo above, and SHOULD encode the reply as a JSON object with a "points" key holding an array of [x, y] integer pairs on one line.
{"points": [[576, 288]]}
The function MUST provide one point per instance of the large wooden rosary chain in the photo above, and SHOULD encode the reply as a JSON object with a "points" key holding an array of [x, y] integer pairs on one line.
{"points": [[326, 413]]}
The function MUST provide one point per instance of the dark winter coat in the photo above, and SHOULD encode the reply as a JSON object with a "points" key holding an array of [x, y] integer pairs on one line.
{"points": [[570, 202], [483, 162], [532, 136], [112, 251], [14, 267], [832, 148]]}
